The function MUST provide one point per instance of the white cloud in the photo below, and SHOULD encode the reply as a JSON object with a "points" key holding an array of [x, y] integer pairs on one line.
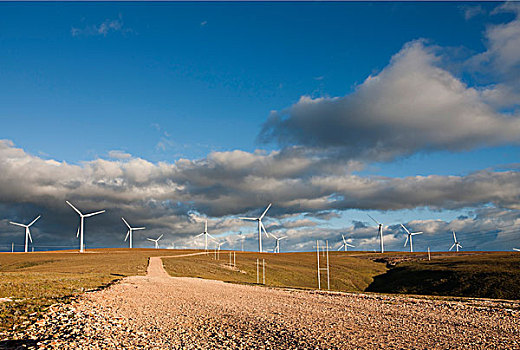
{"points": [[103, 29], [412, 106]]}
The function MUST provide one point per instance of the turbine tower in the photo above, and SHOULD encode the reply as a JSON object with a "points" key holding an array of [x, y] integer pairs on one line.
{"points": [[156, 241], [27, 231], [345, 244], [260, 227], [81, 224], [206, 235], [456, 243], [409, 237], [277, 244], [380, 233], [130, 230]]}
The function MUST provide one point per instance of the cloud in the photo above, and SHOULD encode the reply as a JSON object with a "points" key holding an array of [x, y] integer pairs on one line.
{"points": [[117, 154], [102, 29], [203, 23], [413, 105], [472, 11], [175, 198]]}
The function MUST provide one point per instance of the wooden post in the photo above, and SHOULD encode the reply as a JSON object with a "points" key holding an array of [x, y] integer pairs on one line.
{"points": [[318, 258], [257, 272], [263, 271], [328, 279]]}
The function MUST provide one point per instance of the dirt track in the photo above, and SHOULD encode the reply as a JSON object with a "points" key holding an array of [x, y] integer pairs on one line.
{"points": [[160, 312]]}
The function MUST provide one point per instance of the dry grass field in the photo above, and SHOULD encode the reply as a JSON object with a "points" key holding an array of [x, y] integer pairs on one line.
{"points": [[297, 270], [33, 281]]}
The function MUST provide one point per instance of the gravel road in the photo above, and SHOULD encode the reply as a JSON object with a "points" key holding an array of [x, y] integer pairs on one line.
{"points": [[160, 312]]}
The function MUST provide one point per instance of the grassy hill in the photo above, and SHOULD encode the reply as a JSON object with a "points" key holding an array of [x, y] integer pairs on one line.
{"points": [[484, 275], [297, 270]]}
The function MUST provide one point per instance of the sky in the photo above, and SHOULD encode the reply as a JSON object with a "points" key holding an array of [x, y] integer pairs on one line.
{"points": [[173, 113]]}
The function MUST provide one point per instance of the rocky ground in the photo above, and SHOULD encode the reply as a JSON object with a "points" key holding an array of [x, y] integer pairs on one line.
{"points": [[159, 312]]}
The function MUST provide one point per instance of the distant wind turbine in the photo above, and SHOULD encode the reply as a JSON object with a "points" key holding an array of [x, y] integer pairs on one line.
{"points": [[130, 231], [206, 235], [345, 244], [409, 237], [27, 231], [456, 243], [277, 244], [82, 220], [260, 227], [380, 233], [156, 241]]}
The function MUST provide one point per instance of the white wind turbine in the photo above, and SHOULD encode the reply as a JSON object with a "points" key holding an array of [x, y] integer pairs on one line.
{"points": [[206, 235], [27, 231], [409, 237], [516, 249], [131, 230], [345, 244], [260, 227], [156, 241], [456, 243], [277, 244], [380, 233], [81, 224]]}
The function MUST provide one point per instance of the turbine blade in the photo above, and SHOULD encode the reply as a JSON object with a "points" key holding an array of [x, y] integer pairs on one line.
{"points": [[374, 220], [282, 238], [344, 240], [32, 222], [152, 240], [17, 224], [453, 246], [454, 237], [126, 223], [405, 229], [341, 246], [77, 233], [405, 243], [265, 211], [75, 209], [161, 236], [200, 234], [96, 213], [127, 234], [206, 226], [350, 245], [516, 249], [29, 234], [459, 245], [416, 233], [252, 219], [263, 228], [138, 228]]}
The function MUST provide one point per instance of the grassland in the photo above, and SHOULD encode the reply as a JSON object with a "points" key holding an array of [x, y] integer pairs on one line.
{"points": [[296, 270], [483, 275], [33, 281]]}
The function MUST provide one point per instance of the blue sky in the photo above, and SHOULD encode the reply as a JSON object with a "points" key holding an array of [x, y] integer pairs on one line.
{"points": [[164, 81]]}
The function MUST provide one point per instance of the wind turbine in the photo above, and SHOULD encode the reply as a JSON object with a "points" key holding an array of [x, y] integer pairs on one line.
{"points": [[456, 243], [27, 231], [156, 241], [205, 234], [516, 249], [380, 232], [344, 244], [130, 230], [82, 220], [260, 227], [409, 237], [277, 245]]}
